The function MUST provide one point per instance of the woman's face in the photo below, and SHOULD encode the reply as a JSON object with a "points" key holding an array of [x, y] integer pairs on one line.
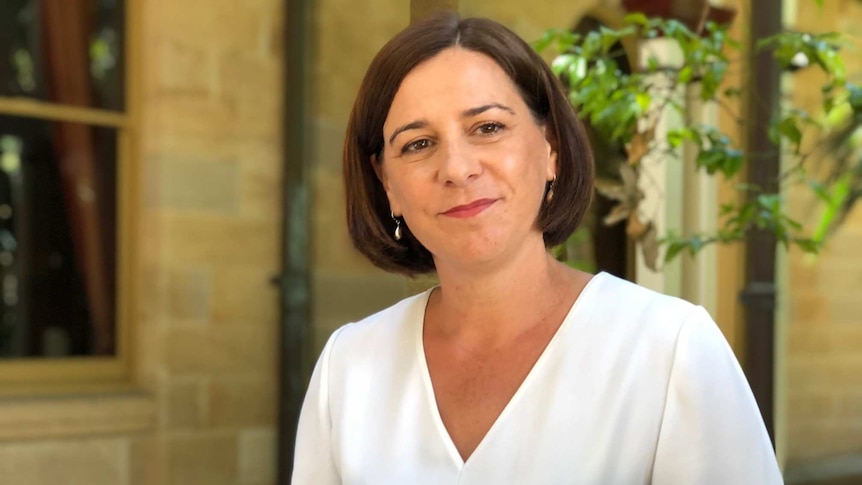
{"points": [[464, 162]]}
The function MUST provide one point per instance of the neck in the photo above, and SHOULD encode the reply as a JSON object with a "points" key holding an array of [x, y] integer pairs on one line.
{"points": [[500, 303]]}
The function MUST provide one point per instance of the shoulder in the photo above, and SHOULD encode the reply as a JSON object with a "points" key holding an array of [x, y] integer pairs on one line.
{"points": [[635, 307], [631, 322], [382, 331], [625, 296]]}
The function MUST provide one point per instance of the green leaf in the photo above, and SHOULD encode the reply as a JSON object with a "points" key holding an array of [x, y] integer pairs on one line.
{"points": [[835, 199], [609, 38], [712, 79], [855, 97], [766, 42], [788, 128], [770, 202], [561, 63], [636, 18], [695, 244], [542, 43], [673, 249], [685, 74], [732, 92], [808, 245], [643, 100], [819, 190], [828, 59], [676, 137]]}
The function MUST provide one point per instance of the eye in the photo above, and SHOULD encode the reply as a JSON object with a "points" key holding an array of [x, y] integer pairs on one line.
{"points": [[416, 146], [490, 128]]}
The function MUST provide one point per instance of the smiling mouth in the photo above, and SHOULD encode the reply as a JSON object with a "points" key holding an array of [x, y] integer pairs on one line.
{"points": [[469, 210]]}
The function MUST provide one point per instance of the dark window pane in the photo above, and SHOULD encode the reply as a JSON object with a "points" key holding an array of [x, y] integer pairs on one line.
{"points": [[63, 51], [57, 238]]}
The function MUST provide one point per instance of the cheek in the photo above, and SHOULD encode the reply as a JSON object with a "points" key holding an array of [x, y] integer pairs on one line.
{"points": [[406, 188], [525, 162]]}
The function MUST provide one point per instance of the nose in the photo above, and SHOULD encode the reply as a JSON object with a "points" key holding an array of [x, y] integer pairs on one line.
{"points": [[458, 163]]}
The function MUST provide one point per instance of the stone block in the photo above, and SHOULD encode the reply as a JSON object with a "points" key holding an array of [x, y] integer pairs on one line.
{"points": [[810, 407], [853, 221], [72, 462], [198, 185], [262, 183], [244, 294], [824, 340], [190, 115], [182, 68], [257, 456], [153, 292], [257, 119], [844, 246], [185, 406], [350, 298], [209, 239], [845, 308], [148, 355], [329, 146], [144, 464], [251, 77], [201, 459], [807, 307], [824, 372], [190, 293], [530, 20], [243, 400], [332, 249], [251, 348], [822, 440], [219, 24], [345, 48], [848, 406]]}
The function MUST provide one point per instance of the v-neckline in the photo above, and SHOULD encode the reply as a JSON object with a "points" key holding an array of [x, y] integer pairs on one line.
{"points": [[431, 397]]}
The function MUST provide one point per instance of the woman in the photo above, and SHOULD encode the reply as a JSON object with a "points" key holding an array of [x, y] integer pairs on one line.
{"points": [[464, 157]]}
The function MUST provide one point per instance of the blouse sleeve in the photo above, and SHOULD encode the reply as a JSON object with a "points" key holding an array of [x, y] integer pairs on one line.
{"points": [[313, 461], [711, 431]]}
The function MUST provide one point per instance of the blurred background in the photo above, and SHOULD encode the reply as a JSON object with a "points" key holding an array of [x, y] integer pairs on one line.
{"points": [[173, 250]]}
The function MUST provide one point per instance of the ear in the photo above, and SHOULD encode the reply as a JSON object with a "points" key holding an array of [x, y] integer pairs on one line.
{"points": [[551, 143], [378, 170], [384, 180]]}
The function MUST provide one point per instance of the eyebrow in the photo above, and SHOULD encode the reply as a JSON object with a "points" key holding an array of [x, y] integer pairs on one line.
{"points": [[481, 109], [409, 126], [415, 125]]}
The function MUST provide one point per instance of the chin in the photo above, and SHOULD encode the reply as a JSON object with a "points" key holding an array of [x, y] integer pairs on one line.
{"points": [[470, 253]]}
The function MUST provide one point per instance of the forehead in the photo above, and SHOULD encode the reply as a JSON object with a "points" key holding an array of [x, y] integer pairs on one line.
{"points": [[450, 82]]}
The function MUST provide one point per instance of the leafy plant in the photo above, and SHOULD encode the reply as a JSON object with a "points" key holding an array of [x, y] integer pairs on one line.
{"points": [[623, 109]]}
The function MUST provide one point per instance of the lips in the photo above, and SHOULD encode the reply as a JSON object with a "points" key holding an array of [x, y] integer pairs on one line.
{"points": [[469, 210]]}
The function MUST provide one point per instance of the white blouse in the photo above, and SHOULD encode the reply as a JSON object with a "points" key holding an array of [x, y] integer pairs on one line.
{"points": [[635, 387]]}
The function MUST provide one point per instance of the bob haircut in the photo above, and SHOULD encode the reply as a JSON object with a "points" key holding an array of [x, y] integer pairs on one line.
{"points": [[369, 218]]}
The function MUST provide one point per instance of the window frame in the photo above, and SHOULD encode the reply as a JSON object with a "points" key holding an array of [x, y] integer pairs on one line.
{"points": [[38, 376]]}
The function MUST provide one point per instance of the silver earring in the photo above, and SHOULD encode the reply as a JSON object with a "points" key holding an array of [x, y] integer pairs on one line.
{"points": [[550, 194], [397, 226]]}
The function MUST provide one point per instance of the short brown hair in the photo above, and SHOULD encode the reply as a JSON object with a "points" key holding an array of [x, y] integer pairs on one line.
{"points": [[368, 215]]}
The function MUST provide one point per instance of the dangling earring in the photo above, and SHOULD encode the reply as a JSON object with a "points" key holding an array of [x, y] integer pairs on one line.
{"points": [[397, 226], [550, 194]]}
